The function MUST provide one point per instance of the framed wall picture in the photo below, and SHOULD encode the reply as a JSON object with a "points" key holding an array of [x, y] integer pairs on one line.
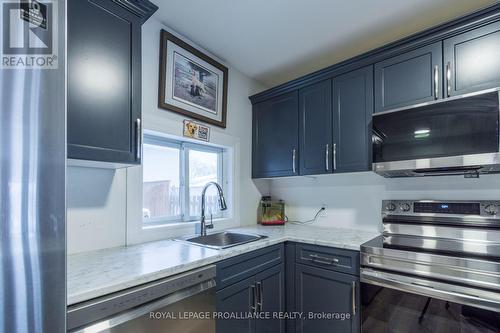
{"points": [[191, 83]]}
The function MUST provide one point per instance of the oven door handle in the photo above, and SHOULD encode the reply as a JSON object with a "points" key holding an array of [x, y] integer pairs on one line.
{"points": [[446, 291], [122, 317]]}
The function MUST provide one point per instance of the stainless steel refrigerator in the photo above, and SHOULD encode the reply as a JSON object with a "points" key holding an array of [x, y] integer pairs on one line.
{"points": [[32, 177]]}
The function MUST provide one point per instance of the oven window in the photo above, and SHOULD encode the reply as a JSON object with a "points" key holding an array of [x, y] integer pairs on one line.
{"points": [[389, 310], [461, 127]]}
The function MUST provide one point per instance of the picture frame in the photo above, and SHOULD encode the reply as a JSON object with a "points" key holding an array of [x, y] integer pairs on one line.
{"points": [[191, 83]]}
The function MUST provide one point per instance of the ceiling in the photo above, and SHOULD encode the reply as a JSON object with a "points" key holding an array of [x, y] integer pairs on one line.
{"points": [[273, 41]]}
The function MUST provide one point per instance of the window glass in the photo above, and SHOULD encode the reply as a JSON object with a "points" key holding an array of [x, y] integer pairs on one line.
{"points": [[203, 168], [161, 182], [174, 174]]}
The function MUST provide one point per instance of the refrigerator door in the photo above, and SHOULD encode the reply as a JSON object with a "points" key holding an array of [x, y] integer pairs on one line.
{"points": [[32, 185]]}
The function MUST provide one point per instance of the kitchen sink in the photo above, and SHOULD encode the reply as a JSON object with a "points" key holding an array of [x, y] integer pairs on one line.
{"points": [[222, 240]]}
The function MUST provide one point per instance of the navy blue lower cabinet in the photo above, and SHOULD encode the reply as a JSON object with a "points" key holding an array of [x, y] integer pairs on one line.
{"points": [[252, 287], [262, 295], [270, 286], [235, 299], [328, 300], [290, 284]]}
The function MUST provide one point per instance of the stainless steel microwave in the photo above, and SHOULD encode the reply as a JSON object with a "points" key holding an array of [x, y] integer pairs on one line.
{"points": [[456, 136]]}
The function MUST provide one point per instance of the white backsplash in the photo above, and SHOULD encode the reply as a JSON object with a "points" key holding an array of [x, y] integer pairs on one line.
{"points": [[96, 212], [353, 200]]}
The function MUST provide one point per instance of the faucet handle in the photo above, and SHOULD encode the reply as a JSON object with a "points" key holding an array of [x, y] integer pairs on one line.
{"points": [[211, 225]]}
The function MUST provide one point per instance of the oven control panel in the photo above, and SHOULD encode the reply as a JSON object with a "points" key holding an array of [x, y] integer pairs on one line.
{"points": [[483, 208]]}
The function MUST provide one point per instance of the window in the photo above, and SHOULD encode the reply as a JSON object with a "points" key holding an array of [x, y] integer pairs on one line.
{"points": [[174, 174]]}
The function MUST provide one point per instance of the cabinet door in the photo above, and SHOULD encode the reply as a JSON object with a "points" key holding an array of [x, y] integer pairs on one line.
{"points": [[353, 109], [321, 291], [104, 78], [290, 284], [237, 298], [473, 60], [270, 285], [409, 78], [315, 128], [275, 136]]}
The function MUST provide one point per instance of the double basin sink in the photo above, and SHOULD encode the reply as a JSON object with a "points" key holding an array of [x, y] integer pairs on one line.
{"points": [[222, 240]]}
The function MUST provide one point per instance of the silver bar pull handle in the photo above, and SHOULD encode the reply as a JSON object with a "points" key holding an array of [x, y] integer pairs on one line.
{"points": [[327, 157], [293, 160], [436, 82], [334, 156], [323, 260], [138, 139], [260, 298], [253, 305], [353, 298], [448, 79]]}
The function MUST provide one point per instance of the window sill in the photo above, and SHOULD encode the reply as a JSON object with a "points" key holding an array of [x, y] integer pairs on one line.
{"points": [[184, 225]]}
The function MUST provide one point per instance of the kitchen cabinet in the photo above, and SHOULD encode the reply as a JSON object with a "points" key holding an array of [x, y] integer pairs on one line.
{"points": [[472, 60], [253, 283], [263, 292], [324, 291], [270, 285], [275, 137], [410, 78], [334, 128], [237, 298], [315, 132], [104, 80], [311, 278], [352, 114]]}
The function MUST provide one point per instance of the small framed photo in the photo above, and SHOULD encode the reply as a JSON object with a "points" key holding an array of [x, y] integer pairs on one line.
{"points": [[191, 83], [196, 130]]}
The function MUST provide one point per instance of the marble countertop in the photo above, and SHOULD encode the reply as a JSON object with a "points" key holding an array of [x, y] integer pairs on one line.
{"points": [[97, 273]]}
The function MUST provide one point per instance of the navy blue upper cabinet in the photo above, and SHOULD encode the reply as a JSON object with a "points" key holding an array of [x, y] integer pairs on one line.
{"points": [[315, 128], [472, 60], [410, 78], [104, 79], [275, 137], [352, 110]]}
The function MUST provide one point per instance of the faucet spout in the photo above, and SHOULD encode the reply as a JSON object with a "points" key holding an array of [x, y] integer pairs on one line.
{"points": [[222, 205]]}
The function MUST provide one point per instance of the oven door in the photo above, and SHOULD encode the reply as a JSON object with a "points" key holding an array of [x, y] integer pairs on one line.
{"points": [[399, 303], [457, 127]]}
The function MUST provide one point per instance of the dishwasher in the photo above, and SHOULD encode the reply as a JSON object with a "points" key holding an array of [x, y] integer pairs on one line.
{"points": [[181, 303]]}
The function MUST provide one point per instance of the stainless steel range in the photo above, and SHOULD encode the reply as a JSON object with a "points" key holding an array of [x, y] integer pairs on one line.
{"points": [[436, 268]]}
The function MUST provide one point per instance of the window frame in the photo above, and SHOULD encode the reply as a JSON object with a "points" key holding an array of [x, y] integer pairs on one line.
{"points": [[184, 148]]}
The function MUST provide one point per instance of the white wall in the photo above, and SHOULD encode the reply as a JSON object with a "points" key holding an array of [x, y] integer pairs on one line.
{"points": [[354, 200], [97, 198], [95, 208]]}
